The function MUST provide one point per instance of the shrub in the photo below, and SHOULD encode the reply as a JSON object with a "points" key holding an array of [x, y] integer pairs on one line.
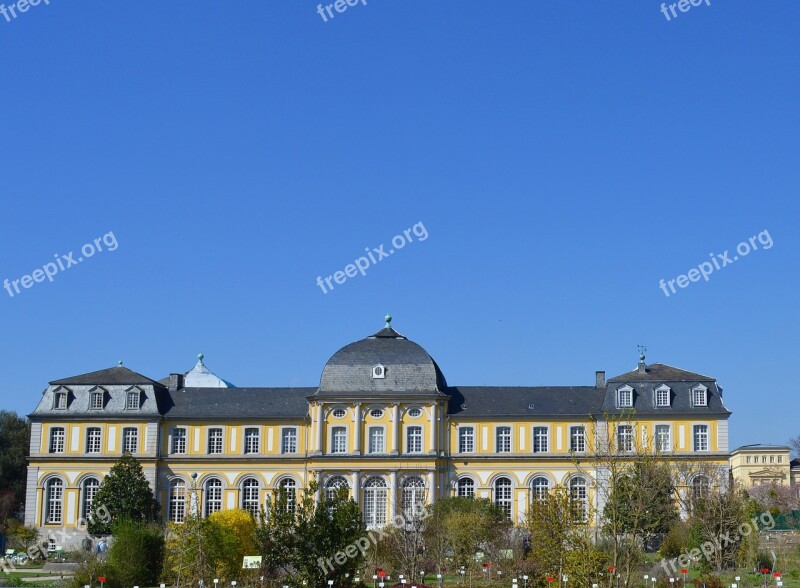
{"points": [[137, 553], [708, 581]]}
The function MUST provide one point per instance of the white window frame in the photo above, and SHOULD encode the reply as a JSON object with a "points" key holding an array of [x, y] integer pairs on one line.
{"points": [[657, 440], [174, 440], [176, 494], [582, 438], [94, 395], [376, 493], [57, 441], [209, 439], [60, 395], [247, 441], [333, 447], [466, 487], [463, 429], [87, 495], [94, 440], [628, 390], [378, 371], [497, 441], [212, 502], [658, 393], [246, 500], [136, 394], [129, 433], [376, 429], [285, 433], [546, 439], [415, 435], [626, 434], [697, 441], [504, 496], [54, 489], [702, 398], [536, 489]]}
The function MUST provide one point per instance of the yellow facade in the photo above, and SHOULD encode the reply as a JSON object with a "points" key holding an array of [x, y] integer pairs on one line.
{"points": [[395, 439]]}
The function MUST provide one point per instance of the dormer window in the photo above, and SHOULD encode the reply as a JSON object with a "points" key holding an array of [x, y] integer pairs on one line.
{"points": [[378, 372], [662, 396], [625, 397], [133, 400], [96, 400], [700, 396], [60, 400]]}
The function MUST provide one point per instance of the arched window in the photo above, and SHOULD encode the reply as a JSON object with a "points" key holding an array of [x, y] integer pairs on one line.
{"points": [[502, 495], [700, 487], [54, 502], [540, 487], [177, 501], [250, 492], [375, 500], [90, 488], [413, 503], [288, 489], [465, 488], [579, 499], [213, 496], [332, 486]]}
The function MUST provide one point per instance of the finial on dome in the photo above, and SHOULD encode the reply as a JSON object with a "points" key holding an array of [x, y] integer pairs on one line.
{"points": [[642, 351], [119, 362], [388, 319], [200, 357]]}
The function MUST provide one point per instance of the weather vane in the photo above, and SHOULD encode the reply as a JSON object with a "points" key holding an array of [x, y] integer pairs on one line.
{"points": [[642, 350]]}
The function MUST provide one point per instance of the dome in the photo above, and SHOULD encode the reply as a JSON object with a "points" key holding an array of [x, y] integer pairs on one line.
{"points": [[384, 364]]}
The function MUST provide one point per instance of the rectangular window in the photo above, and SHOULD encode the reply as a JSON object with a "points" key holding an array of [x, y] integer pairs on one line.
{"points": [[540, 440], [771, 459], [339, 440], [215, 441], [748, 459], [414, 439], [133, 401], [376, 440], [780, 459], [577, 438], [699, 397], [763, 459], [625, 398], [289, 440], [624, 438], [663, 440], [252, 440], [93, 437], [662, 397], [701, 437], [57, 437], [466, 440], [61, 401], [503, 439], [178, 441], [130, 440], [97, 401]]}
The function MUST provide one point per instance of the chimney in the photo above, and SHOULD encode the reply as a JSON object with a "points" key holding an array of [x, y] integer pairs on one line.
{"points": [[600, 379], [642, 369], [175, 382]]}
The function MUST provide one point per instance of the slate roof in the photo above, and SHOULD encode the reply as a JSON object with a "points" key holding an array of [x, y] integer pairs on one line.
{"points": [[762, 446], [229, 403], [117, 375], [680, 383], [544, 401], [660, 372], [409, 368]]}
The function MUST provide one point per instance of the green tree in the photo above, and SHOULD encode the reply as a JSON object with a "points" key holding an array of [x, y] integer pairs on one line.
{"points": [[300, 541], [123, 494], [15, 435], [460, 527], [137, 553]]}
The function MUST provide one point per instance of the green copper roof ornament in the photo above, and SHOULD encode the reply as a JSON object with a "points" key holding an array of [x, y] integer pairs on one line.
{"points": [[388, 319], [200, 357], [119, 363]]}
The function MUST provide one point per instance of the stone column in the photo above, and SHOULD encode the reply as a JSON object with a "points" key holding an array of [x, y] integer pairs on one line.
{"points": [[357, 432], [434, 429], [395, 429], [430, 487], [392, 495], [356, 486], [319, 427]]}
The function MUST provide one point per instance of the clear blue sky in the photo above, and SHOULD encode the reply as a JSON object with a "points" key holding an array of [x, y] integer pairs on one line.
{"points": [[562, 156]]}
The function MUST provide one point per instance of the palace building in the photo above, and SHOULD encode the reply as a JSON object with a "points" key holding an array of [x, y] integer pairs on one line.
{"points": [[383, 422]]}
